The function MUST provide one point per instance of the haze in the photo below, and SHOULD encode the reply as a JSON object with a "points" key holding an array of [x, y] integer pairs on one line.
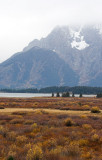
{"points": [[21, 21]]}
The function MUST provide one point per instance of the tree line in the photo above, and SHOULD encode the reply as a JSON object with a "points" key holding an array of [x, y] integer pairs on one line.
{"points": [[56, 89]]}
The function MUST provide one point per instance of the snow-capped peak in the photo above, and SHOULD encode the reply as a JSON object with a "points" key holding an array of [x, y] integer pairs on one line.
{"points": [[78, 40]]}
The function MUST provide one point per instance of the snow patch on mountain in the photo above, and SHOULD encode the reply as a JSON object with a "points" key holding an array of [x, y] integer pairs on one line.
{"points": [[78, 40], [79, 45]]}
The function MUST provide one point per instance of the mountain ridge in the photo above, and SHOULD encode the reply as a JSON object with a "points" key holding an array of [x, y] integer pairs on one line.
{"points": [[82, 60], [68, 56], [37, 67]]}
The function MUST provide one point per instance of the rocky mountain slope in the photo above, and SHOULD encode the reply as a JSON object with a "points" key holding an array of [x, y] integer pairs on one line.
{"points": [[80, 47], [36, 67]]}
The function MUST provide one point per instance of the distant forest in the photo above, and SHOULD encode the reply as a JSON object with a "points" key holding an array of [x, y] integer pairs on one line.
{"points": [[55, 89]]}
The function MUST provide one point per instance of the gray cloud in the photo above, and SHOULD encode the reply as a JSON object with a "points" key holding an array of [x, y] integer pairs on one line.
{"points": [[23, 20]]}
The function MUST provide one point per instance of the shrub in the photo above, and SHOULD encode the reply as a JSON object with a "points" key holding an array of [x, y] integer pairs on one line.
{"points": [[34, 125], [44, 112], [87, 155], [10, 158], [3, 131], [21, 139], [27, 146], [16, 121], [11, 155], [34, 153], [50, 144], [83, 116], [95, 138], [35, 104], [87, 126], [72, 149], [83, 142], [2, 122], [85, 107], [79, 103], [54, 154], [19, 113], [13, 148], [11, 136], [95, 110], [69, 122], [61, 140], [28, 122], [39, 112]]}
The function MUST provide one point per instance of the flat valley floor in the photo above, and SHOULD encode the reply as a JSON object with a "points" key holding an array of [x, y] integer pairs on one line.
{"points": [[50, 128]]}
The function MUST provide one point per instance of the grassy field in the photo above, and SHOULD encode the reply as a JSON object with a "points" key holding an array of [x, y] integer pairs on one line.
{"points": [[50, 129]]}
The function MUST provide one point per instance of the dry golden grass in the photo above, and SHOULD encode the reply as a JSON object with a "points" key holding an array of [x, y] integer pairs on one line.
{"points": [[53, 111], [10, 110]]}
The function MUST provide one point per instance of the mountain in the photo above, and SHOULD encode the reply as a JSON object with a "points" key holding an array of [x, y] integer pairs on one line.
{"points": [[68, 56], [36, 67], [80, 47]]}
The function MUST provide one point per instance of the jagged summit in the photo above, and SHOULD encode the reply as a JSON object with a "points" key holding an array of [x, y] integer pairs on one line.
{"points": [[76, 36]]}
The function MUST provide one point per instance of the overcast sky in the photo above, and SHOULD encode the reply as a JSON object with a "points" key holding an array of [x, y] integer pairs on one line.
{"points": [[21, 21]]}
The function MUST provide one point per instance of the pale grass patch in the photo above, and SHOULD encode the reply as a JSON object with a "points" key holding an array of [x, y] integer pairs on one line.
{"points": [[53, 111]]}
